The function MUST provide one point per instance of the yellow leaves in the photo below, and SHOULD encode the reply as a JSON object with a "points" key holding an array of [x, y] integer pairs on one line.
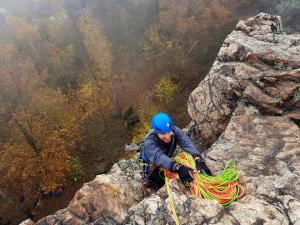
{"points": [[99, 51], [96, 43], [141, 130], [154, 44], [76, 170], [169, 44], [50, 104], [18, 76], [154, 36], [159, 44], [47, 118], [33, 172], [146, 110], [49, 97], [45, 127], [57, 54], [23, 30], [182, 26], [87, 91], [14, 160], [91, 98], [215, 14], [7, 52], [55, 167], [165, 89], [39, 118], [173, 12]]}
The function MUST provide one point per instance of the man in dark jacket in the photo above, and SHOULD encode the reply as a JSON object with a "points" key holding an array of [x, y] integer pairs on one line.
{"points": [[159, 147]]}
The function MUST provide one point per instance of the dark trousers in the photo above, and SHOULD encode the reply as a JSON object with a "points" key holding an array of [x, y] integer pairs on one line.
{"points": [[156, 179]]}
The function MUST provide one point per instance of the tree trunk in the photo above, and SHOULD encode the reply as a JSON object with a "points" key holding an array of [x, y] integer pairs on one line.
{"points": [[28, 137]]}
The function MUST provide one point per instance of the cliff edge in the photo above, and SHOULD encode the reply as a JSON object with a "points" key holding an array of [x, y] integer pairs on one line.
{"points": [[246, 109]]}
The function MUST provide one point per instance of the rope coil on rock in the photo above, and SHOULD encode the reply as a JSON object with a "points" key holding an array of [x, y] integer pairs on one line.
{"points": [[223, 188]]}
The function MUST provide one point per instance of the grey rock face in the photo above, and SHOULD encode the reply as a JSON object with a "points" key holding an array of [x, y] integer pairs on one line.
{"points": [[257, 64], [266, 150], [246, 109]]}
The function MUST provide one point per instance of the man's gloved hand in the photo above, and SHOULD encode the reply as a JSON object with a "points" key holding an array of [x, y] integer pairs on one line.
{"points": [[201, 166], [185, 173]]}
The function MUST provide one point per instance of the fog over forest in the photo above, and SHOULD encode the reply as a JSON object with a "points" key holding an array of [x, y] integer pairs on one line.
{"points": [[79, 79]]}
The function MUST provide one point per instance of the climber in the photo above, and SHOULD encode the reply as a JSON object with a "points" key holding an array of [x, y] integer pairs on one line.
{"points": [[159, 147]]}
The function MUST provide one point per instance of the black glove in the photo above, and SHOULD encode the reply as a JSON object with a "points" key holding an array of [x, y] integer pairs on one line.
{"points": [[185, 173], [201, 166]]}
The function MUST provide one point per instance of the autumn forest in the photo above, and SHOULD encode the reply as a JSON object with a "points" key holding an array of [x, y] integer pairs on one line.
{"points": [[80, 78]]}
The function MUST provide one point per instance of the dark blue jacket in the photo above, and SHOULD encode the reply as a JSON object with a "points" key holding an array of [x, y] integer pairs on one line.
{"points": [[159, 153]]}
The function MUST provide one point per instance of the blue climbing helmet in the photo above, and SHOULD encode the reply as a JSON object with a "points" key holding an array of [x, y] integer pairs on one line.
{"points": [[161, 123]]}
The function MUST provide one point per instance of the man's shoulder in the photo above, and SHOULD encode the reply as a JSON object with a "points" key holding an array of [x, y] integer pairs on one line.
{"points": [[176, 130], [150, 137]]}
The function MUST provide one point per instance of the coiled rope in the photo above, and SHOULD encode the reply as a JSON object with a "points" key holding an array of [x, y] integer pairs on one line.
{"points": [[224, 187]]}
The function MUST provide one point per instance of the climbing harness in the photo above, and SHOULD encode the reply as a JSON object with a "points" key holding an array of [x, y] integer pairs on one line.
{"points": [[145, 163]]}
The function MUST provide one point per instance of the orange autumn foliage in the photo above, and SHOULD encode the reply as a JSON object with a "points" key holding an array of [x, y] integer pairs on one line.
{"points": [[37, 154]]}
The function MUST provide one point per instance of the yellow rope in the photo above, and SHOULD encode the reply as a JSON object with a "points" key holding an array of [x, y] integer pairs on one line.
{"points": [[172, 205]]}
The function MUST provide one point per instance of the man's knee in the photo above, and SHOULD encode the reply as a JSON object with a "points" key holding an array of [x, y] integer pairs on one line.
{"points": [[156, 179]]}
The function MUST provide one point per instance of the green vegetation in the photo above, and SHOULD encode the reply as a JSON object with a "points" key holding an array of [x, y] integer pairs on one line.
{"points": [[165, 89], [76, 170]]}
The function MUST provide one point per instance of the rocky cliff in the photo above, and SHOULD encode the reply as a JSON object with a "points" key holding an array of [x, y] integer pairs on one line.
{"points": [[246, 109]]}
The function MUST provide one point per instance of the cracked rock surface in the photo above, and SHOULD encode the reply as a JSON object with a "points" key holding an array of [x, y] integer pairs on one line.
{"points": [[257, 64]]}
